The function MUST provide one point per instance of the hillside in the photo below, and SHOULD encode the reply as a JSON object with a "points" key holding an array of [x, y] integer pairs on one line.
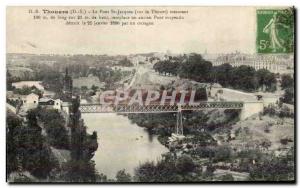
{"points": [[264, 131]]}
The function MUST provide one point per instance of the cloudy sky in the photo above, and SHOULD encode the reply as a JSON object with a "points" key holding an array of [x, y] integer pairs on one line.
{"points": [[215, 29]]}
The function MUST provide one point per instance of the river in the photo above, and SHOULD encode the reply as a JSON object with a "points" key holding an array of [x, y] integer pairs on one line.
{"points": [[122, 144]]}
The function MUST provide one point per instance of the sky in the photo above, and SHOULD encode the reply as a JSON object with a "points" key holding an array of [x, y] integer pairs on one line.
{"points": [[211, 29]]}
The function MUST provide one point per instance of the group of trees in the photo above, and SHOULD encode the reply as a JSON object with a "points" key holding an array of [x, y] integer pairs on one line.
{"points": [[10, 79], [54, 125], [125, 62], [287, 84], [196, 68], [248, 79], [272, 168], [167, 67], [169, 169], [25, 90], [109, 76], [163, 124], [79, 170], [267, 167], [82, 147], [27, 148], [52, 80], [281, 111]]}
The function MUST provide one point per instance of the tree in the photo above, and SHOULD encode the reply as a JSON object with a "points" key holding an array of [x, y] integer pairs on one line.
{"points": [[125, 62], [79, 171], [84, 89], [243, 77], [122, 176], [36, 156], [167, 67], [94, 88], [14, 125], [266, 79], [288, 96], [222, 74], [9, 81], [54, 124], [287, 81], [163, 171], [146, 172], [195, 68], [25, 90], [52, 80]]}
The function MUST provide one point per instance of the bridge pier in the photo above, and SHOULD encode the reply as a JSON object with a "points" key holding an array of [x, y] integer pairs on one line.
{"points": [[179, 124], [251, 108]]}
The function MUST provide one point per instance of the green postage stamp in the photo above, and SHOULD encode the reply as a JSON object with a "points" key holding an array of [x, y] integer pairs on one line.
{"points": [[275, 30]]}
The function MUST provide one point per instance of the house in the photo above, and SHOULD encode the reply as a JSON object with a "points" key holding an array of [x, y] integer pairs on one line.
{"points": [[11, 108], [31, 99], [66, 107], [30, 102], [88, 82], [48, 94], [50, 103], [14, 97], [20, 85]]}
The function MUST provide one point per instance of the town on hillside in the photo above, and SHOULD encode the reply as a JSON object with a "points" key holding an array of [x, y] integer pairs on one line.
{"points": [[161, 94]]}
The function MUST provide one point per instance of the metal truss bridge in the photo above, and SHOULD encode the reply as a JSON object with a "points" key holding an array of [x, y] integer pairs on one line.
{"points": [[157, 108]]}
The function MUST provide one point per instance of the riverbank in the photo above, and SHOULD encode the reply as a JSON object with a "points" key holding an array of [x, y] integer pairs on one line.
{"points": [[224, 148]]}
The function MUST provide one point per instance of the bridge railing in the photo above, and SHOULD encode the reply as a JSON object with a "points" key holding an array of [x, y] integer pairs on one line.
{"points": [[157, 108]]}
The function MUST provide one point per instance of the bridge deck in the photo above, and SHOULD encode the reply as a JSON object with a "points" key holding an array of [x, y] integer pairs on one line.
{"points": [[156, 108]]}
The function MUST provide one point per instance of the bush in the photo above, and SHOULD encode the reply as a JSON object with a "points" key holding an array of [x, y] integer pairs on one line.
{"points": [[185, 164], [284, 141], [267, 129], [273, 169], [288, 96], [223, 153], [285, 112], [227, 177], [270, 110]]}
